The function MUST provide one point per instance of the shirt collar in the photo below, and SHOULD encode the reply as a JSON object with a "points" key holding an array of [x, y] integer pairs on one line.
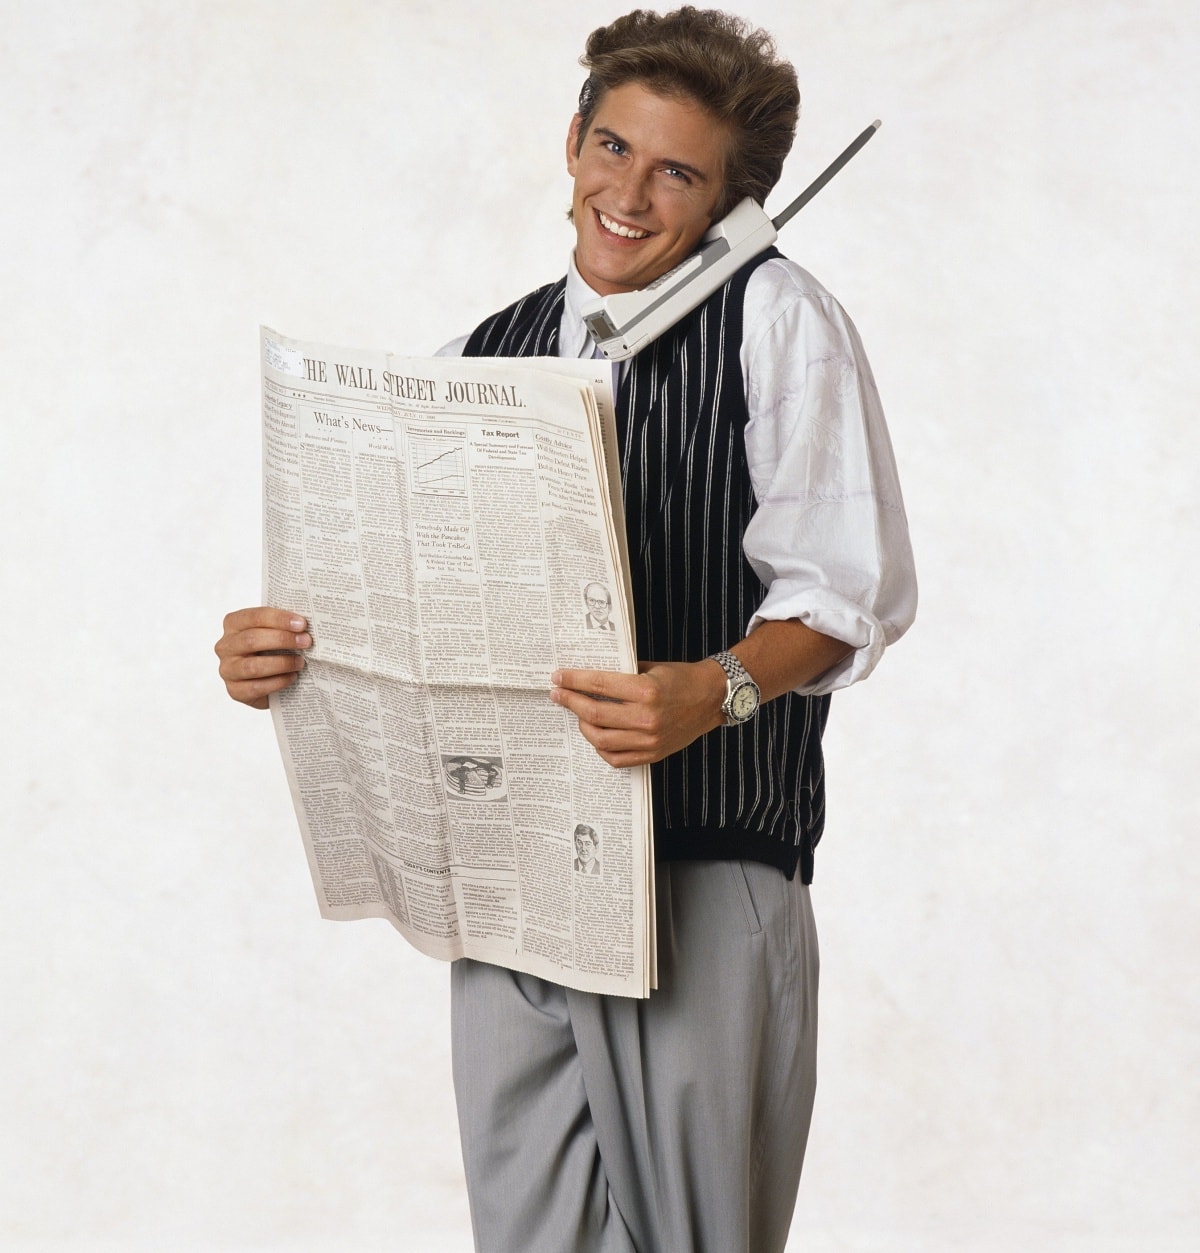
{"points": [[574, 340]]}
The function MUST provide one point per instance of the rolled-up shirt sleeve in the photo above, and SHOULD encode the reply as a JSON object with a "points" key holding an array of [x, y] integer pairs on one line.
{"points": [[829, 538], [454, 348]]}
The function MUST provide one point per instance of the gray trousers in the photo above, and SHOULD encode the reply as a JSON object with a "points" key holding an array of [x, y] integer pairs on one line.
{"points": [[598, 1124]]}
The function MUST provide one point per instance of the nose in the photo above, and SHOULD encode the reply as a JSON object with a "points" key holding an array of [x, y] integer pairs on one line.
{"points": [[633, 193]]}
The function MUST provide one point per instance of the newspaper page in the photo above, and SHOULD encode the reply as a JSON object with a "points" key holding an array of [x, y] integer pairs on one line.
{"points": [[452, 530]]}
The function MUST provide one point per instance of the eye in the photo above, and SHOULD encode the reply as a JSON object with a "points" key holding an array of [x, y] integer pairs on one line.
{"points": [[615, 147], [677, 175]]}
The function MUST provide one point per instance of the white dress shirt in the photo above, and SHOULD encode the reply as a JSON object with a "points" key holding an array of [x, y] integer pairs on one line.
{"points": [[829, 539]]}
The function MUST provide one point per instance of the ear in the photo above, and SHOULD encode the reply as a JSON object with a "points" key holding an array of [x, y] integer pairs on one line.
{"points": [[573, 144]]}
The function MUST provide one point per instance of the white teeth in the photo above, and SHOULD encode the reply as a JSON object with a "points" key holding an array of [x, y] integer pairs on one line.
{"points": [[626, 232]]}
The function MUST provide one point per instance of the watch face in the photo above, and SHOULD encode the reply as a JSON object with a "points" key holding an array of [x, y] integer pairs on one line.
{"points": [[744, 702]]}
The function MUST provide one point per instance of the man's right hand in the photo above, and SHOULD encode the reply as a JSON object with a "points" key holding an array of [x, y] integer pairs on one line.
{"points": [[260, 653]]}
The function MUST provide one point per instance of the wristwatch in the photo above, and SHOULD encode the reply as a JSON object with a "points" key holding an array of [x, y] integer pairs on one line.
{"points": [[741, 691]]}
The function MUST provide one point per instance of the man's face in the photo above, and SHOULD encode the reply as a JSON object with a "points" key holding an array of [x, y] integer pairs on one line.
{"points": [[647, 179], [597, 602], [584, 847]]}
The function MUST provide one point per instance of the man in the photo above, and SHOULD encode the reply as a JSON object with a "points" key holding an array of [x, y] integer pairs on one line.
{"points": [[770, 566], [586, 844], [599, 606]]}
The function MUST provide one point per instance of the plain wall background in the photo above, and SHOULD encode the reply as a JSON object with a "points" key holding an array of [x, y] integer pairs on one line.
{"points": [[1007, 889]]}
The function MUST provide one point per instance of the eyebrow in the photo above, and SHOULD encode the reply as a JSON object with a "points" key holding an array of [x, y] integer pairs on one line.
{"points": [[675, 165]]}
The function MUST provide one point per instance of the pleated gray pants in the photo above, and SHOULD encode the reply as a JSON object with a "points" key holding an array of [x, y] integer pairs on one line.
{"points": [[598, 1124]]}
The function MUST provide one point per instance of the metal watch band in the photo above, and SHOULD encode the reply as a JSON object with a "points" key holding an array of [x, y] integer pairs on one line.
{"points": [[738, 681]]}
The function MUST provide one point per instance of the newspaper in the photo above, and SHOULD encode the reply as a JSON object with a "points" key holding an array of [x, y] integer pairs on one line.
{"points": [[452, 530]]}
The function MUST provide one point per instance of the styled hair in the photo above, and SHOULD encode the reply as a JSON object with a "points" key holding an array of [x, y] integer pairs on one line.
{"points": [[722, 63], [582, 828]]}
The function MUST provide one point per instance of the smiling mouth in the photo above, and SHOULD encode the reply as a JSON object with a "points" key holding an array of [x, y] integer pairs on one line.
{"points": [[616, 228]]}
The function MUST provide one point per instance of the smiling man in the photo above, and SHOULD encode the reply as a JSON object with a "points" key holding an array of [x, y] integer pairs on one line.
{"points": [[770, 566], [648, 175]]}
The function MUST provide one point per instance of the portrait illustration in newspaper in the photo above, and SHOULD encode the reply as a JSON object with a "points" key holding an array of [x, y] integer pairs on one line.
{"points": [[598, 601], [587, 849]]}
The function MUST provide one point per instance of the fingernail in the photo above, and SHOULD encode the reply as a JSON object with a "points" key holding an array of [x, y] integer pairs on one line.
{"points": [[303, 640], [298, 624]]}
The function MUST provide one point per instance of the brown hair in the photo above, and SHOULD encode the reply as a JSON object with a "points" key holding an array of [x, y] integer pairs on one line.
{"points": [[719, 61]]}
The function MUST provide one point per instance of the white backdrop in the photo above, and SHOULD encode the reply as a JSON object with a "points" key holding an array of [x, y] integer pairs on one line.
{"points": [[1007, 888]]}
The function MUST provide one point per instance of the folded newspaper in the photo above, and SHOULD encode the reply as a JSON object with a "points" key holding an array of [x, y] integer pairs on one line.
{"points": [[452, 530]]}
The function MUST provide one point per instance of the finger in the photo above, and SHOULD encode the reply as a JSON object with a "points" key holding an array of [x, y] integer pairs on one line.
{"points": [[609, 684], [263, 616], [256, 691], [598, 713], [623, 761], [613, 740], [241, 668], [262, 674], [260, 640]]}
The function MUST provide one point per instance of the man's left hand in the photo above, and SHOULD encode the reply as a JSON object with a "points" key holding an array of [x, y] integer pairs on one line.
{"points": [[636, 719]]}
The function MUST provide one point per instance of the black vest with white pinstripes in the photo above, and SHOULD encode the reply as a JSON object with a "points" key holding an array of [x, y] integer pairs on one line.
{"points": [[755, 791]]}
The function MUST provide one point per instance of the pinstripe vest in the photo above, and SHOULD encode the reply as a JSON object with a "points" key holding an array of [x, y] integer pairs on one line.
{"points": [[758, 790]]}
